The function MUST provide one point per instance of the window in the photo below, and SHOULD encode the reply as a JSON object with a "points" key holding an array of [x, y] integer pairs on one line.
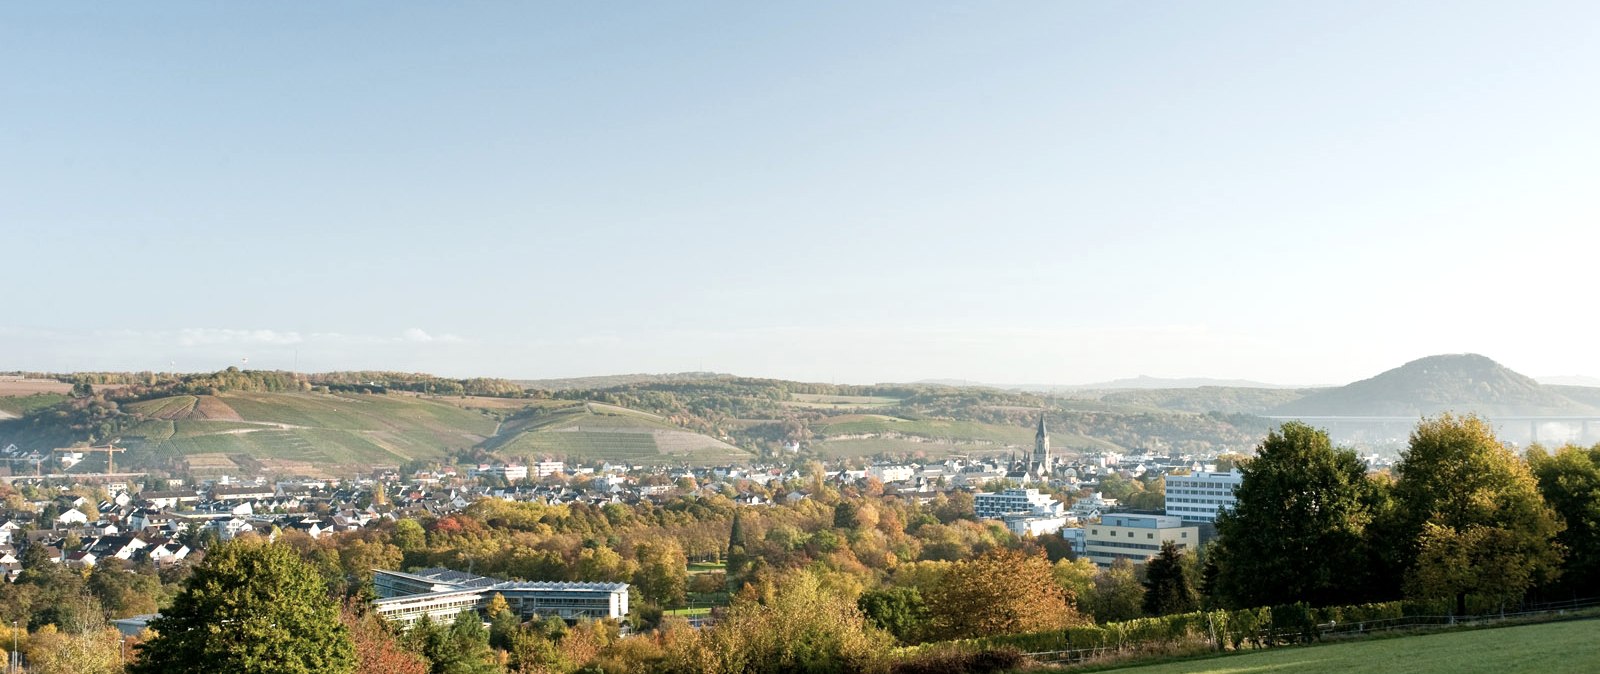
{"points": [[1149, 535], [1185, 534]]}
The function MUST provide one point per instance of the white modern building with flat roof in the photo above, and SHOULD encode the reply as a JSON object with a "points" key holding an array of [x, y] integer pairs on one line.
{"points": [[441, 593], [1016, 502], [1200, 496], [1026, 512], [1136, 537]]}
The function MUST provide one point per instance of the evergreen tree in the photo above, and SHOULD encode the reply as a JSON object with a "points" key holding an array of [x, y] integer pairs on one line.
{"points": [[1169, 584], [251, 608]]}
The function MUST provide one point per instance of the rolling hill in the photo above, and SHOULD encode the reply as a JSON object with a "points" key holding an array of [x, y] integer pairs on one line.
{"points": [[1448, 383], [594, 431], [319, 429], [309, 432]]}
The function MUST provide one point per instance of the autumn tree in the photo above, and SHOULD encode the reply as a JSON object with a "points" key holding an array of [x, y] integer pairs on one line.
{"points": [[1000, 592], [1471, 517], [250, 607], [663, 575], [1297, 530], [95, 650], [1169, 585], [795, 624], [376, 649]]}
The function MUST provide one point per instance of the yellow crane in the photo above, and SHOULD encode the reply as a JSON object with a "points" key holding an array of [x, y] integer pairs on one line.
{"points": [[110, 449]]}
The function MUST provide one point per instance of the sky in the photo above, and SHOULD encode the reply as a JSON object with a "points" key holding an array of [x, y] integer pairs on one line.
{"points": [[1019, 192]]}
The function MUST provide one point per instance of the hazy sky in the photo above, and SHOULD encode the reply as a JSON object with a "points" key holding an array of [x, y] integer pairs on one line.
{"points": [[1011, 192]]}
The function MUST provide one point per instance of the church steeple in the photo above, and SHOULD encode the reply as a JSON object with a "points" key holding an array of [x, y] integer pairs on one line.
{"points": [[1041, 465]]}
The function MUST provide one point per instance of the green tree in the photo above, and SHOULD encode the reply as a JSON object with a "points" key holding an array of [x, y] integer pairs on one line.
{"points": [[250, 607], [1118, 595], [1471, 517], [1569, 480], [899, 610], [1169, 585], [1297, 530]]}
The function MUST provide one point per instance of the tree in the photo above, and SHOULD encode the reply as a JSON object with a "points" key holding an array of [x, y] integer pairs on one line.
{"points": [[794, 624], [1470, 516], [1569, 480], [409, 536], [250, 607], [1118, 595], [1297, 530], [1169, 585], [376, 650], [462, 647], [898, 610], [93, 651], [1000, 592], [663, 575]]}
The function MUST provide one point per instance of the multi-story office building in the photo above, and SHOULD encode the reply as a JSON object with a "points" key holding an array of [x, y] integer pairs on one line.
{"points": [[1136, 537], [443, 593], [1199, 497]]}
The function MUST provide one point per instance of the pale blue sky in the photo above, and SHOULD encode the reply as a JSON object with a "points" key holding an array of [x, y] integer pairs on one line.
{"points": [[856, 192]]}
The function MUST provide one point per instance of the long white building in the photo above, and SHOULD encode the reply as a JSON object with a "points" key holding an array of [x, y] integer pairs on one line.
{"points": [[440, 594], [1200, 496]]}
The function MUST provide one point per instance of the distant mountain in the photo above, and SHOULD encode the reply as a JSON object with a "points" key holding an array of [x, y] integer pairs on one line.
{"points": [[1449, 383]]}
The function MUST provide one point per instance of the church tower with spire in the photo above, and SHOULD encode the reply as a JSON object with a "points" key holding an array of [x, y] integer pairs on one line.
{"points": [[1042, 464]]}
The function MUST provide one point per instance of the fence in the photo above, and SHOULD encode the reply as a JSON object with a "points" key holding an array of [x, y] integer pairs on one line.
{"points": [[1260, 628]]}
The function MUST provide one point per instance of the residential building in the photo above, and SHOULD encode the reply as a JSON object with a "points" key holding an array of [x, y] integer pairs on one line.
{"points": [[1198, 497], [1136, 537], [1094, 505], [1016, 501]]}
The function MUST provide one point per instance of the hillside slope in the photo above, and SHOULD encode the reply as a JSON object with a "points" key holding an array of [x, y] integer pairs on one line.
{"points": [[330, 429], [1428, 386], [594, 431]]}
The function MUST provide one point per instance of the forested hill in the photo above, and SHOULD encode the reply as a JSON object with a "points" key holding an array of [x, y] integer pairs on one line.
{"points": [[245, 419], [1449, 383]]}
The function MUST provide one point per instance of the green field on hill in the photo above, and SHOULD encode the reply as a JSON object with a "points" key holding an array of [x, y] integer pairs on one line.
{"points": [[592, 431], [344, 429], [1554, 648]]}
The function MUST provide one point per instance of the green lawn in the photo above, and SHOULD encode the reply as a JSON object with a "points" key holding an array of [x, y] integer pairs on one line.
{"points": [[1553, 648]]}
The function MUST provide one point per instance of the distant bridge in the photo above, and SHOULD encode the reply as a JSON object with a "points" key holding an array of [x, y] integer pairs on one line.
{"points": [[1508, 424]]}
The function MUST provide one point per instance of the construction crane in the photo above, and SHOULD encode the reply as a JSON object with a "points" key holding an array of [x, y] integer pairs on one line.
{"points": [[35, 459], [110, 449]]}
